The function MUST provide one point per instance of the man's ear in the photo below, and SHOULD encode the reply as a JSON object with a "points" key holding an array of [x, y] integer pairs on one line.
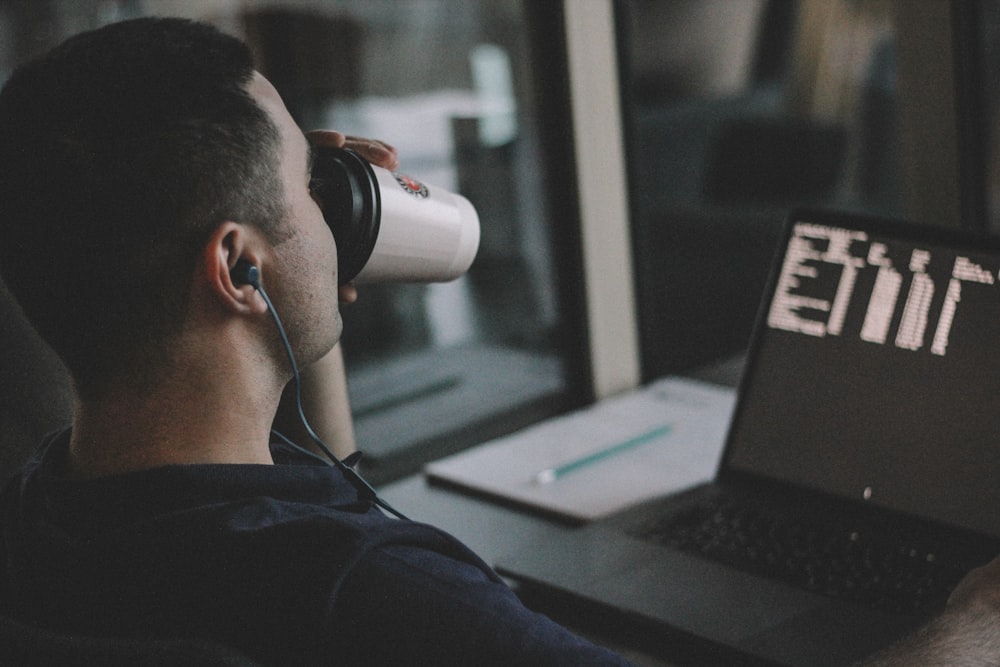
{"points": [[229, 245]]}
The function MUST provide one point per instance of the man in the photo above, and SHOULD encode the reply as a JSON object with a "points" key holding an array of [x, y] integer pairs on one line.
{"points": [[140, 164]]}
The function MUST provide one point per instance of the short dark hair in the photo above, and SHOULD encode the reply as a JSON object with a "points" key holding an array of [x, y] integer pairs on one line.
{"points": [[121, 151]]}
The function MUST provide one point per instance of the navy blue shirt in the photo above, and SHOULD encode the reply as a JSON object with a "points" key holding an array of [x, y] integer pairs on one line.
{"points": [[284, 563]]}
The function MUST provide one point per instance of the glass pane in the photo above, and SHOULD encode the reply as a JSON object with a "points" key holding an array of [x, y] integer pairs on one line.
{"points": [[432, 368], [737, 111], [986, 61]]}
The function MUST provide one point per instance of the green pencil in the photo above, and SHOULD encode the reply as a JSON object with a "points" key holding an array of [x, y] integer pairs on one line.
{"points": [[550, 475]]}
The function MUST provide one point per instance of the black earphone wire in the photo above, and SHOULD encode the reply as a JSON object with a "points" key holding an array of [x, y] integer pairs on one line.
{"points": [[363, 487]]}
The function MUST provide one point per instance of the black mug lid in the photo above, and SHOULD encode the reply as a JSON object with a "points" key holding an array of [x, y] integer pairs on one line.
{"points": [[347, 191]]}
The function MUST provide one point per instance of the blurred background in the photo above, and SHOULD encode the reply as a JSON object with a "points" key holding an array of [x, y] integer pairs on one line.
{"points": [[727, 113]]}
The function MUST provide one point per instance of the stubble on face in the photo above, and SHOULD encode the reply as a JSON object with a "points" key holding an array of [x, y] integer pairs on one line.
{"points": [[305, 258]]}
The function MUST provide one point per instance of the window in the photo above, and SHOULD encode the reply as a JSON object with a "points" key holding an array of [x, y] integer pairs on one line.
{"points": [[980, 60], [737, 111]]}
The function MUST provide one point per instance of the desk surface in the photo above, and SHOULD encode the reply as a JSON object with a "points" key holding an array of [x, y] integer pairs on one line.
{"points": [[493, 530]]}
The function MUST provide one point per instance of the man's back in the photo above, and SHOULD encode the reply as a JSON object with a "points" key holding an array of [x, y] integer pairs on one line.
{"points": [[282, 562]]}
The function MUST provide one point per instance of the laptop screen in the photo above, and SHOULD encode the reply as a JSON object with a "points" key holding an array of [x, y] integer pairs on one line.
{"points": [[875, 371]]}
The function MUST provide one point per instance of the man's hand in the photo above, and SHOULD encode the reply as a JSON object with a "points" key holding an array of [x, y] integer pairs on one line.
{"points": [[967, 633], [377, 152], [979, 588]]}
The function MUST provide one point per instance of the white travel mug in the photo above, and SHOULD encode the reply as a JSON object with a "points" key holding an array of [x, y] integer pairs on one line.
{"points": [[390, 227]]}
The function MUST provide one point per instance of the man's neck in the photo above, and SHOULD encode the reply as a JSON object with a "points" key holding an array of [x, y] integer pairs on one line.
{"points": [[184, 420]]}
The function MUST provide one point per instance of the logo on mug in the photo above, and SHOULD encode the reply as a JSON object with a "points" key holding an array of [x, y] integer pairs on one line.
{"points": [[412, 185]]}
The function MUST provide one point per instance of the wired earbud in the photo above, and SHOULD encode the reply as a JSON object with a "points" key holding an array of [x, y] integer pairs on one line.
{"points": [[245, 273]]}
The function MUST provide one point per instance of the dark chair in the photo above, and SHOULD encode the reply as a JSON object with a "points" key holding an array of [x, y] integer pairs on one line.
{"points": [[36, 396]]}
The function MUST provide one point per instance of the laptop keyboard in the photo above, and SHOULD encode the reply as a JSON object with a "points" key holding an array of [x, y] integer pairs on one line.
{"points": [[841, 562]]}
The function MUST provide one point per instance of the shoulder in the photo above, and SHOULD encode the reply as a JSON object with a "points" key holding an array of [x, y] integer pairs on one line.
{"points": [[448, 609]]}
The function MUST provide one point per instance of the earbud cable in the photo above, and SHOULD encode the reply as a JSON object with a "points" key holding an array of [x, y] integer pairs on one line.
{"points": [[363, 487]]}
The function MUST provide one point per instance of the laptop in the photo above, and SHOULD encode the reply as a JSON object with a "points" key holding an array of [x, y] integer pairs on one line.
{"points": [[859, 479]]}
